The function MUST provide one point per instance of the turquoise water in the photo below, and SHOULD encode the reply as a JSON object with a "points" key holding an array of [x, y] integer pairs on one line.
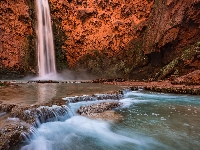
{"points": [[151, 121]]}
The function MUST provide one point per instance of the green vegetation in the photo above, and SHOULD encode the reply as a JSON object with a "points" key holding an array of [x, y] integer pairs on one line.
{"points": [[187, 55], [59, 39], [28, 53], [108, 65], [98, 63], [170, 68]]}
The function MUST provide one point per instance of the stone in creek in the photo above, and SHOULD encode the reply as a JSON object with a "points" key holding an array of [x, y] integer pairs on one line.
{"points": [[108, 115], [97, 108], [11, 135]]}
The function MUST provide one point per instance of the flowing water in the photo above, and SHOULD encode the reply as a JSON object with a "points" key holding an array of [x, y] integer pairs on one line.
{"points": [[150, 121], [45, 44]]}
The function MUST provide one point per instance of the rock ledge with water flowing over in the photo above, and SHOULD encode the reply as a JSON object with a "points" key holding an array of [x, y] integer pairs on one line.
{"points": [[27, 118], [23, 119]]}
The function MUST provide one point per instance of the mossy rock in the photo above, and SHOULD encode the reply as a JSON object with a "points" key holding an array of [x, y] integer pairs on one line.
{"points": [[171, 68]]}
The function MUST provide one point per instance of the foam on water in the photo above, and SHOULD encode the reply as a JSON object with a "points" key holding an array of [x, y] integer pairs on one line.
{"points": [[74, 132], [127, 102], [147, 124], [153, 96]]}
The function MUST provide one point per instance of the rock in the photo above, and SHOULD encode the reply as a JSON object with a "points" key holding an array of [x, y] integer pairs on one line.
{"points": [[114, 96], [101, 80], [97, 108], [13, 132], [109, 115], [192, 78]]}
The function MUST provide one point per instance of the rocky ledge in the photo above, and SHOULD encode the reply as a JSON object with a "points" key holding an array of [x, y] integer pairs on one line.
{"points": [[101, 110], [192, 78], [175, 90], [6, 83], [22, 120], [97, 108], [114, 96], [13, 133], [178, 87]]}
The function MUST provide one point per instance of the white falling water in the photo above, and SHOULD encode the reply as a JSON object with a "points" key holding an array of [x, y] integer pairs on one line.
{"points": [[45, 44]]}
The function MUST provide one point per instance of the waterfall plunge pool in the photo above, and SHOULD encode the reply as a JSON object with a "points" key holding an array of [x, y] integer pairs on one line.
{"points": [[150, 121]]}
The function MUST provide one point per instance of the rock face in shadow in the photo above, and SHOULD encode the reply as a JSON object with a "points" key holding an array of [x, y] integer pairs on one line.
{"points": [[110, 38], [186, 62]]}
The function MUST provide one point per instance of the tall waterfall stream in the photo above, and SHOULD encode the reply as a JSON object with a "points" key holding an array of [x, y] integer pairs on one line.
{"points": [[45, 44]]}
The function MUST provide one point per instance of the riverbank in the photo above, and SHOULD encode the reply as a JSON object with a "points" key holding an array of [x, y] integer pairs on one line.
{"points": [[45, 112], [160, 86], [25, 106]]}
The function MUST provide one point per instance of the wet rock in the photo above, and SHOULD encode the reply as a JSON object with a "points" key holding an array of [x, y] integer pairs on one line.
{"points": [[84, 14], [36, 115], [101, 80], [27, 118], [46, 81], [114, 96], [6, 83], [6, 107], [134, 88], [97, 108], [108, 115], [12, 134]]}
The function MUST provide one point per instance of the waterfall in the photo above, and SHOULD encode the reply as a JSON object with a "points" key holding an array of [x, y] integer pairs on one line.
{"points": [[45, 44]]}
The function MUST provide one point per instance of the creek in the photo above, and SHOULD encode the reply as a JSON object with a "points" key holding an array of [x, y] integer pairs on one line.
{"points": [[149, 121]]}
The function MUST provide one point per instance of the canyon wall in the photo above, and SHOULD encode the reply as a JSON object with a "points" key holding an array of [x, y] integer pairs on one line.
{"points": [[136, 39], [17, 37]]}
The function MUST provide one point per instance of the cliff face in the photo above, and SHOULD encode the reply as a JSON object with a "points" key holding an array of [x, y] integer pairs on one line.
{"points": [[99, 25], [173, 30], [108, 37], [16, 36]]}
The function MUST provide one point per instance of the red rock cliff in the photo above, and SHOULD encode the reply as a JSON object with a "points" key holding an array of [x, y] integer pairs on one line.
{"points": [[133, 38], [15, 32]]}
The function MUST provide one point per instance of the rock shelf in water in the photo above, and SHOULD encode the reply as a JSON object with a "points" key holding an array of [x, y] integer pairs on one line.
{"points": [[31, 116], [101, 111], [27, 118], [97, 108], [114, 96]]}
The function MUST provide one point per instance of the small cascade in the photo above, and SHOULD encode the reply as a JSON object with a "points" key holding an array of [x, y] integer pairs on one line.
{"points": [[114, 96], [26, 120], [28, 134], [42, 114], [45, 44]]}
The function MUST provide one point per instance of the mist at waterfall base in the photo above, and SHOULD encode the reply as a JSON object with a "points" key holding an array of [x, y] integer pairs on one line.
{"points": [[66, 74], [149, 121]]}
